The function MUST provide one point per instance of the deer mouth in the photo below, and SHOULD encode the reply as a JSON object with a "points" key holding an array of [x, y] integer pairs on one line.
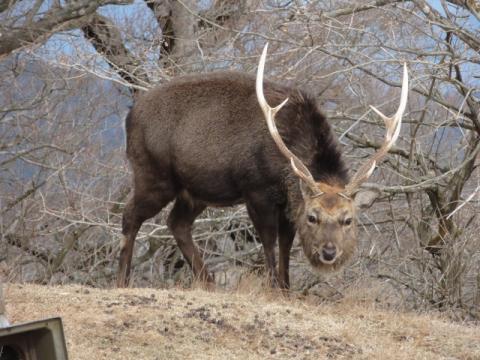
{"points": [[328, 258]]}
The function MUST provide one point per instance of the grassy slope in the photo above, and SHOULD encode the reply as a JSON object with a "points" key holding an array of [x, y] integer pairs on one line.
{"points": [[194, 324]]}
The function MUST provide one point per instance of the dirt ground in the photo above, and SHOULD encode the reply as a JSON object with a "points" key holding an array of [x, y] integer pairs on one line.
{"points": [[195, 324]]}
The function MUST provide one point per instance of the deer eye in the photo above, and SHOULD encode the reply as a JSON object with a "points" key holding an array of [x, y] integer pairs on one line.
{"points": [[312, 219], [347, 221]]}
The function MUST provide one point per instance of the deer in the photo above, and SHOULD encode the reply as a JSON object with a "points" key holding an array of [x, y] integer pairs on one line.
{"points": [[213, 140]]}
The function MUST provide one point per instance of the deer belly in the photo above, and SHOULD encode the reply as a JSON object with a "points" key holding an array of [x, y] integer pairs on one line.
{"points": [[214, 189]]}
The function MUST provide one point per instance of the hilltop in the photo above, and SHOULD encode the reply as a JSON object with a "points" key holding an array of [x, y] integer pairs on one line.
{"points": [[195, 324]]}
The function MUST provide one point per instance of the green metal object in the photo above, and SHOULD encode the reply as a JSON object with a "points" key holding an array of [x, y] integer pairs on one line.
{"points": [[36, 340]]}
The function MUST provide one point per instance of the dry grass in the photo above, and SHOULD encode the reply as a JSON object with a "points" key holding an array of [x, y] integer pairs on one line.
{"points": [[247, 324]]}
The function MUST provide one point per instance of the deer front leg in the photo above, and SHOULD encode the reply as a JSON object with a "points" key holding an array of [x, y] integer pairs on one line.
{"points": [[286, 234], [265, 220]]}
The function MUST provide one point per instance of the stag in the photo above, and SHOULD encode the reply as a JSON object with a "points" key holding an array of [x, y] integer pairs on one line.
{"points": [[213, 140]]}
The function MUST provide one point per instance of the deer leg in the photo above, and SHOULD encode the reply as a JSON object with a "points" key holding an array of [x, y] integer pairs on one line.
{"points": [[286, 234], [139, 208], [265, 220], [180, 222]]}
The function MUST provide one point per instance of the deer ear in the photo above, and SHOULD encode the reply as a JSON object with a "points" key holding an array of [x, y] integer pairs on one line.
{"points": [[307, 191], [365, 198]]}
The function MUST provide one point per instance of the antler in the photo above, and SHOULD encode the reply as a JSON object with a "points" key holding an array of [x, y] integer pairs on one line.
{"points": [[297, 165], [393, 130]]}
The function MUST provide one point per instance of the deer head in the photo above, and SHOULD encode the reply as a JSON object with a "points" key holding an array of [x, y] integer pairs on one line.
{"points": [[326, 222]]}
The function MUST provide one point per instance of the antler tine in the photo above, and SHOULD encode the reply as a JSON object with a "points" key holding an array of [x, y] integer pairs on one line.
{"points": [[393, 125], [297, 165]]}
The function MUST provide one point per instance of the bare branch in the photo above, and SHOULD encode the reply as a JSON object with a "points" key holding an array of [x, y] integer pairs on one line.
{"points": [[106, 39], [349, 10], [12, 38], [462, 33]]}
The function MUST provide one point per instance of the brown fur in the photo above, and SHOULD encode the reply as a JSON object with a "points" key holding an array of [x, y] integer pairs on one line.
{"points": [[202, 141]]}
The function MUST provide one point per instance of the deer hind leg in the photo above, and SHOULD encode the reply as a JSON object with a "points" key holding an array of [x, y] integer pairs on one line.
{"points": [[180, 222], [146, 202], [265, 220]]}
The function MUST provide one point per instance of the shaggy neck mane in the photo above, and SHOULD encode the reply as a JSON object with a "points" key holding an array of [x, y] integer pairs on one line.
{"points": [[310, 137]]}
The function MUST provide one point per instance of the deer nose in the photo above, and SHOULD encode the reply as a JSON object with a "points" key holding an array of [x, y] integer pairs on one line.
{"points": [[329, 251]]}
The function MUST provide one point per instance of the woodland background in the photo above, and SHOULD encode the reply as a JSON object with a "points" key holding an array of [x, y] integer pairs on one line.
{"points": [[69, 70]]}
